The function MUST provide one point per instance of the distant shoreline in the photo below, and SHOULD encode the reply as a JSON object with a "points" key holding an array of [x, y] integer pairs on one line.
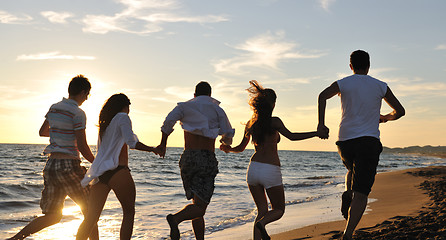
{"points": [[428, 150], [433, 151]]}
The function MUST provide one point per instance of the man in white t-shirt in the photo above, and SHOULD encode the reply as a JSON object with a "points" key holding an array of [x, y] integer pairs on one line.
{"points": [[359, 144], [202, 120]]}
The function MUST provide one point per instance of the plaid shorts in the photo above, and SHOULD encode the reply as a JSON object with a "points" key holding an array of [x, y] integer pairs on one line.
{"points": [[63, 177]]}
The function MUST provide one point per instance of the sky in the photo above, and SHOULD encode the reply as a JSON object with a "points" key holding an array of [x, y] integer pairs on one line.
{"points": [[156, 51]]}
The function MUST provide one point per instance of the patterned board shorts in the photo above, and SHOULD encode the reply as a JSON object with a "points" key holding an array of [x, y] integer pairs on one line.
{"points": [[63, 177], [198, 171]]}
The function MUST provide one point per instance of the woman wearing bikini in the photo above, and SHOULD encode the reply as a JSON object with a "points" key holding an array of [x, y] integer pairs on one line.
{"points": [[264, 168], [109, 170]]}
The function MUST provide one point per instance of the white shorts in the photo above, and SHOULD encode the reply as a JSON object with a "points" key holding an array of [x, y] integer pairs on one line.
{"points": [[264, 174]]}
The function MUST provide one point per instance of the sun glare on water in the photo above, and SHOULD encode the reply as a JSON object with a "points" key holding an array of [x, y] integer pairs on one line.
{"points": [[65, 229], [72, 218]]}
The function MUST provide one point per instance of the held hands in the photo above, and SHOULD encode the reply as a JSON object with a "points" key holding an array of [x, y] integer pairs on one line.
{"points": [[155, 150], [160, 150], [322, 131], [225, 148]]}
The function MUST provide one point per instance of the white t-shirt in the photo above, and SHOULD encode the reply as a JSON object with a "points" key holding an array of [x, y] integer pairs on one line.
{"points": [[361, 98], [118, 132]]}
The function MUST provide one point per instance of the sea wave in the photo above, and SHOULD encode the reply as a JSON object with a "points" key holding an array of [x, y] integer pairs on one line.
{"points": [[320, 177], [13, 205]]}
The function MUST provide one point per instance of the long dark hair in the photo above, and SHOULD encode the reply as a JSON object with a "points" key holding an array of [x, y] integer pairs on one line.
{"points": [[262, 103], [112, 106]]}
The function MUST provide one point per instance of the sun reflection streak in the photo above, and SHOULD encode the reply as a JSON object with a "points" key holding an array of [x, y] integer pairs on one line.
{"points": [[109, 225], [65, 229]]}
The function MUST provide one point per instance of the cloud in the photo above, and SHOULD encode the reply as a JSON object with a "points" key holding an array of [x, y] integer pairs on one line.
{"points": [[432, 88], [8, 18], [14, 98], [297, 80], [441, 47], [325, 4], [52, 56], [162, 99], [311, 108], [179, 93], [287, 83], [56, 17], [143, 17], [383, 70], [264, 51]]}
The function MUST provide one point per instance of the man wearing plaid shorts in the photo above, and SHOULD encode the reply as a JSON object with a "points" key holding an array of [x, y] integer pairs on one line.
{"points": [[65, 126]]}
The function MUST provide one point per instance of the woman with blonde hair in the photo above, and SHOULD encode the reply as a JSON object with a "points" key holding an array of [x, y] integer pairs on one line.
{"points": [[264, 172]]}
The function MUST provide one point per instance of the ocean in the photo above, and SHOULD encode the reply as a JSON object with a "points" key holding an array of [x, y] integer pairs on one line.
{"points": [[313, 183]]}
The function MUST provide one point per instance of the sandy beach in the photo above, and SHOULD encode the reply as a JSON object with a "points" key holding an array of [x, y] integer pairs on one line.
{"points": [[406, 204]]}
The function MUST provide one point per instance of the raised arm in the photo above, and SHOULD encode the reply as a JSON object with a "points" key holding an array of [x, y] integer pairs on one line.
{"points": [[328, 93], [278, 124], [241, 147], [398, 109]]}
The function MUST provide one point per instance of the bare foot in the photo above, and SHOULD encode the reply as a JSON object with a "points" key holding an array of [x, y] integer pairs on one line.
{"points": [[174, 231], [263, 232]]}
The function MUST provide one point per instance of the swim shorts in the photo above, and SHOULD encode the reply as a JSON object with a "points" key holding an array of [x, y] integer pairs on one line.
{"points": [[106, 176], [264, 174], [361, 156], [198, 171], [63, 177]]}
